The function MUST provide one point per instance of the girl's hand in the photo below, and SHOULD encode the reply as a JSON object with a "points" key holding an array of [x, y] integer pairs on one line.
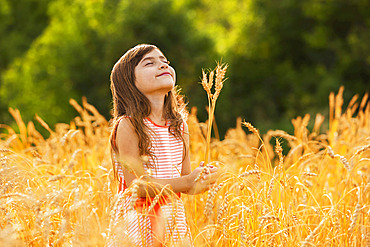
{"points": [[202, 178]]}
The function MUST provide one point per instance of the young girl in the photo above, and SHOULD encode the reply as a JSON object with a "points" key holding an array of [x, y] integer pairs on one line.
{"points": [[148, 123]]}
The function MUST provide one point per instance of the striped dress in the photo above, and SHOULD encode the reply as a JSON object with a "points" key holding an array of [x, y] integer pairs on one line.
{"points": [[136, 226]]}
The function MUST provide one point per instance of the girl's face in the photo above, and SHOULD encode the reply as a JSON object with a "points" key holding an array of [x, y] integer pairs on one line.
{"points": [[153, 75]]}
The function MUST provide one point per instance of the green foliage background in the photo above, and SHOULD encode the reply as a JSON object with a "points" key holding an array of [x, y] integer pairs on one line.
{"points": [[284, 56]]}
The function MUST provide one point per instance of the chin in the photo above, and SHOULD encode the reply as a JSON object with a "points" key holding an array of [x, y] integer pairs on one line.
{"points": [[168, 89], [169, 85]]}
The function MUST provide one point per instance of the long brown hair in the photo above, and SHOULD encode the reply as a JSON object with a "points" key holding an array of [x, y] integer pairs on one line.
{"points": [[129, 101]]}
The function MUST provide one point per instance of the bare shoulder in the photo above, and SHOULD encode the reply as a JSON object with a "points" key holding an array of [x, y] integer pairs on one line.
{"points": [[126, 138], [128, 149]]}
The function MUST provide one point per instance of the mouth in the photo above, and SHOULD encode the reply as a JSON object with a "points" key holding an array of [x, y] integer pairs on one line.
{"points": [[164, 73]]}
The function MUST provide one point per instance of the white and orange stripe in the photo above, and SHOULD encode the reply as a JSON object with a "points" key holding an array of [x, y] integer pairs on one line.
{"points": [[169, 152]]}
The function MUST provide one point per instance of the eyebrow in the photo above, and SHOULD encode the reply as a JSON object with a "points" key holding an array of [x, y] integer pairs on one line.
{"points": [[152, 58]]}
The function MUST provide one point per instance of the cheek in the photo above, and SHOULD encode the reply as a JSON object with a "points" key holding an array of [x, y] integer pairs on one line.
{"points": [[140, 77]]}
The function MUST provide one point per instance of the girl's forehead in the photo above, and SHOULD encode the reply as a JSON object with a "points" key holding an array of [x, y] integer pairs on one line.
{"points": [[153, 53]]}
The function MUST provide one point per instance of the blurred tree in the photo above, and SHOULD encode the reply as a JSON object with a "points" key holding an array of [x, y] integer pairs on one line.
{"points": [[284, 56], [20, 23], [340, 40], [76, 52], [291, 54], [224, 22]]}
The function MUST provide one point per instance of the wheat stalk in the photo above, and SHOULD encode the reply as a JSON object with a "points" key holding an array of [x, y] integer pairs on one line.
{"points": [[310, 237], [210, 198], [42, 203], [207, 84]]}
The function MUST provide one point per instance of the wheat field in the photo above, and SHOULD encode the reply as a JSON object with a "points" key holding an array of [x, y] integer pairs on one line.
{"points": [[61, 191]]}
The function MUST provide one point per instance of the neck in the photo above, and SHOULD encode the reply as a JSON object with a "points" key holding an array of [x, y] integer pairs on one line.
{"points": [[157, 114]]}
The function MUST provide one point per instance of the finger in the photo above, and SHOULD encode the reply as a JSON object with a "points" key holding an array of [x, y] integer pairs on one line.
{"points": [[213, 169], [207, 170]]}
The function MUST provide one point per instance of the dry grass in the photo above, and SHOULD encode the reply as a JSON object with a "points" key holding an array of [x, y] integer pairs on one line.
{"points": [[60, 191]]}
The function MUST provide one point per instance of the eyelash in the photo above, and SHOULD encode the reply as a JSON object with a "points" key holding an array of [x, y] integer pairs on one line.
{"points": [[167, 62]]}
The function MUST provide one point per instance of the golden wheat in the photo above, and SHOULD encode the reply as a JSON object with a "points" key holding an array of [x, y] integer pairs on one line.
{"points": [[61, 190]]}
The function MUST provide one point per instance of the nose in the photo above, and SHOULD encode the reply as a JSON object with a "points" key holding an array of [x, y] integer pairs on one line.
{"points": [[164, 65]]}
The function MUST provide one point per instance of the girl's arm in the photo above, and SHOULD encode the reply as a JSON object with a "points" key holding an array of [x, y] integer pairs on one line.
{"points": [[127, 144], [186, 165], [208, 179]]}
